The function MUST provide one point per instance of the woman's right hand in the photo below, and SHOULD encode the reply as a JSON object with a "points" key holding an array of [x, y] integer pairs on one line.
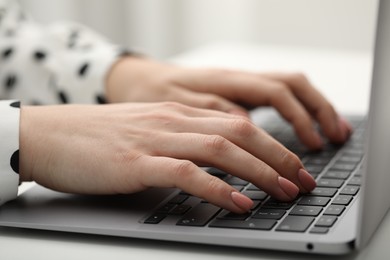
{"points": [[126, 148]]}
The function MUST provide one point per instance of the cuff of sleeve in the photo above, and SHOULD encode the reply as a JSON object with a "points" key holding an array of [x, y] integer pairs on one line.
{"points": [[9, 152]]}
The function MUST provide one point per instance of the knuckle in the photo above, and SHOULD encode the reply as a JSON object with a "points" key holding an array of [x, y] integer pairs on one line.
{"points": [[242, 128], [173, 105], [183, 169], [214, 186], [290, 160], [216, 144], [211, 102], [298, 77]]}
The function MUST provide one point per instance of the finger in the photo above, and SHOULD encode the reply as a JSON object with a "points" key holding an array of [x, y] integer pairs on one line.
{"points": [[244, 134], [290, 108], [168, 172], [336, 129], [207, 101], [217, 151]]}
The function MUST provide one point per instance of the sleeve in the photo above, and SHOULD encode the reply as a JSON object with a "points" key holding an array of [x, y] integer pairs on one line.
{"points": [[63, 62], [9, 152]]}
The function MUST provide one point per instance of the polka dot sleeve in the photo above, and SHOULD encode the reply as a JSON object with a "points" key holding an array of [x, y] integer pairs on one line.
{"points": [[9, 152], [58, 63]]}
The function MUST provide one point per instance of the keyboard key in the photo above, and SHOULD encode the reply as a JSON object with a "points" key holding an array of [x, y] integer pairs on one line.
{"points": [[342, 200], [314, 201], [217, 172], [338, 166], [335, 210], [275, 204], [350, 190], [326, 192], [233, 216], [314, 169], [233, 180], [199, 215], [166, 208], [295, 224], [255, 195], [258, 224], [319, 230], [155, 219], [330, 183], [306, 210], [252, 187], [269, 213], [332, 174], [355, 181], [180, 209], [178, 199], [326, 221]]}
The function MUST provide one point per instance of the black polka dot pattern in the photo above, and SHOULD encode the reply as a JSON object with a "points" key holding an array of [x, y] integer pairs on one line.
{"points": [[63, 97], [14, 162], [10, 82], [15, 104], [7, 53], [100, 99], [39, 55], [83, 69]]}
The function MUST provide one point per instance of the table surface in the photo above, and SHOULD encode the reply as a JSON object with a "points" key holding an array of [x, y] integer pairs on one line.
{"points": [[344, 77]]}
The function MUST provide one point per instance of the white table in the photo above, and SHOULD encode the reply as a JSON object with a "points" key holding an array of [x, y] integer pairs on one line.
{"points": [[344, 77]]}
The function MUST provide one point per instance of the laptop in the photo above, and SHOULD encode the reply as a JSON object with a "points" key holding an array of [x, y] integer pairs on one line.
{"points": [[338, 217]]}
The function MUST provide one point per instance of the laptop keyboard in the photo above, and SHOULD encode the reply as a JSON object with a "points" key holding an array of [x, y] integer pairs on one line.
{"points": [[335, 168]]}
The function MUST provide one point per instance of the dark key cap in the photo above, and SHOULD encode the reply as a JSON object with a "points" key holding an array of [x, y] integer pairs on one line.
{"points": [[306, 210], [217, 173], [342, 200], [155, 219], [326, 221], [166, 208], [255, 195], [335, 210], [314, 169], [295, 224], [236, 181], [199, 215], [343, 167], [349, 159], [180, 209], [330, 183], [269, 213], [314, 201], [233, 216], [178, 199], [319, 230], [350, 190], [260, 224], [355, 181], [337, 174], [252, 187], [326, 192], [275, 204]]}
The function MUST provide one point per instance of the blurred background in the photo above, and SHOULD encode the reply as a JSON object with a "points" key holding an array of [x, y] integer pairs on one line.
{"points": [[163, 28]]}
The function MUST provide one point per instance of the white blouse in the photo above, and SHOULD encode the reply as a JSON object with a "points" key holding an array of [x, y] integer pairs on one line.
{"points": [[44, 64]]}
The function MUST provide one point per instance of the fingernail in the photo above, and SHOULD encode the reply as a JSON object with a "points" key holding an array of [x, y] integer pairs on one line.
{"points": [[289, 188], [307, 181], [241, 201]]}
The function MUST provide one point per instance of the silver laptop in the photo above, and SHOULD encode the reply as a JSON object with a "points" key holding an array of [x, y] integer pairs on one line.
{"points": [[338, 217]]}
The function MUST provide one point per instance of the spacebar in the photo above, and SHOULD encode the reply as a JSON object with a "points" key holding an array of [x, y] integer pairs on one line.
{"points": [[199, 215], [262, 224]]}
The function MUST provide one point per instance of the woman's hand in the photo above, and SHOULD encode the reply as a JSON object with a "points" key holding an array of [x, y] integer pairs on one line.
{"points": [[135, 79], [125, 148]]}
